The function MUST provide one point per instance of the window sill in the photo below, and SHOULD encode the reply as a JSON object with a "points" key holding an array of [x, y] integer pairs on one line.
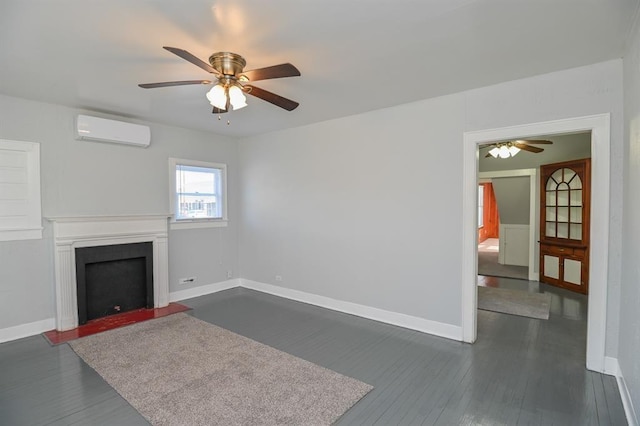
{"points": [[196, 224]]}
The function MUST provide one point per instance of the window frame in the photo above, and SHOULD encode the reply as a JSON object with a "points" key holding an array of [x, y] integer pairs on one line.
{"points": [[31, 229], [196, 222], [481, 189]]}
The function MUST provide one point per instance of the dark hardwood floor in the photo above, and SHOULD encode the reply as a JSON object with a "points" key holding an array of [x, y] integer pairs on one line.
{"points": [[520, 371]]}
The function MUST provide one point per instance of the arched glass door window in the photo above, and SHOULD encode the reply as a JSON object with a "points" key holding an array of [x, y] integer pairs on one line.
{"points": [[563, 215]]}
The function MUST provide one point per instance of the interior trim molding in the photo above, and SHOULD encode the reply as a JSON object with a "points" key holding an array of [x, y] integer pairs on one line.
{"points": [[600, 127], [26, 330], [203, 290], [614, 369], [406, 321]]}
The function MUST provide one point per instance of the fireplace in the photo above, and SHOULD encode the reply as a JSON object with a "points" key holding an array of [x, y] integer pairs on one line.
{"points": [[100, 240], [113, 279]]}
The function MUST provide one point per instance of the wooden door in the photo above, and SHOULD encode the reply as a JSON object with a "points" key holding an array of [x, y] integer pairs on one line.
{"points": [[564, 224]]}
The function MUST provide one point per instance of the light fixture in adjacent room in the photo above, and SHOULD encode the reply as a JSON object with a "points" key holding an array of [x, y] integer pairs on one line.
{"points": [[508, 149], [504, 150]]}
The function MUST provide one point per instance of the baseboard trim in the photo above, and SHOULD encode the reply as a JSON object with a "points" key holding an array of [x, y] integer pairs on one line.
{"points": [[26, 330], [203, 290], [611, 366], [627, 402], [407, 321]]}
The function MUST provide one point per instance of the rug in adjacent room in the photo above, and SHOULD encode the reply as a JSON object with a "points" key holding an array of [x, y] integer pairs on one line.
{"points": [[514, 302], [181, 370]]}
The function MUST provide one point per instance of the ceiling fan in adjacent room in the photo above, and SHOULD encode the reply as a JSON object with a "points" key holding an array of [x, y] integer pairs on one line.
{"points": [[508, 149], [230, 84]]}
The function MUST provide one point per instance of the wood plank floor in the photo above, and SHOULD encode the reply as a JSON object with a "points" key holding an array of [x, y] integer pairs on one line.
{"points": [[520, 371]]}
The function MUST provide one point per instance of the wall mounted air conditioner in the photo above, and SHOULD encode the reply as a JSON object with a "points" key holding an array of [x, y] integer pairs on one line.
{"points": [[103, 130]]}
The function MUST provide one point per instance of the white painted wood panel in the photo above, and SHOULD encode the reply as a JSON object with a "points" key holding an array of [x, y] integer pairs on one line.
{"points": [[572, 271]]}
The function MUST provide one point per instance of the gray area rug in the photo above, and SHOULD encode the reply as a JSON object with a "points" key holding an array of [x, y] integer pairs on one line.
{"points": [[178, 370], [488, 265], [514, 302]]}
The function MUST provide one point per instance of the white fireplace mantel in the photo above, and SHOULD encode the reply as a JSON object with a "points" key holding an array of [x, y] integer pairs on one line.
{"points": [[70, 233]]}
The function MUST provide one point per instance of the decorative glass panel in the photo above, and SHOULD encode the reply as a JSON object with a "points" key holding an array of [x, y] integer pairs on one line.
{"points": [[563, 230], [575, 215], [563, 198], [576, 183], [563, 214], [551, 198], [568, 175], [575, 231], [576, 197], [550, 230], [551, 214], [563, 201]]}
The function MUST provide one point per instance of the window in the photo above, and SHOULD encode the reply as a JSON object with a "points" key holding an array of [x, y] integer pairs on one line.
{"points": [[480, 206], [20, 214], [198, 193]]}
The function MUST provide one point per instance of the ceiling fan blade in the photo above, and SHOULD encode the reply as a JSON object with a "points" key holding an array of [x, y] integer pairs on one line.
{"points": [[525, 147], [488, 155], [217, 110], [191, 58], [534, 141], [277, 100], [173, 83], [275, 71]]}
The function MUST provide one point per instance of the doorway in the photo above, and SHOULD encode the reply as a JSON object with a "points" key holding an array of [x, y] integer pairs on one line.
{"points": [[599, 126], [529, 232]]}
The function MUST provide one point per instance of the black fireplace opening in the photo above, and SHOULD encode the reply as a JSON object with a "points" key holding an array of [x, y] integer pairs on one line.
{"points": [[113, 279]]}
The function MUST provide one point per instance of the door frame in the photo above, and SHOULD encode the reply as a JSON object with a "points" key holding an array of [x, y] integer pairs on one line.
{"points": [[600, 128], [532, 174]]}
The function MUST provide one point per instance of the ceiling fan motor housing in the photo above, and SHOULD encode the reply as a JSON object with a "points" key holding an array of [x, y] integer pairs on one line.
{"points": [[227, 63]]}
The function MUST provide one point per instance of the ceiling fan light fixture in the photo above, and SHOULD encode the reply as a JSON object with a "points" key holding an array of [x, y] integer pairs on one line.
{"points": [[494, 152], [513, 150], [217, 97], [504, 152], [236, 97]]}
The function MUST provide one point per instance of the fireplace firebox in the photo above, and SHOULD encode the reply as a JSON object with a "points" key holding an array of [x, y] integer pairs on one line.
{"points": [[112, 279]]}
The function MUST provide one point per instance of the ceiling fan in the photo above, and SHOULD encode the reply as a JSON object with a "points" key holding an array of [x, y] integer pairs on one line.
{"points": [[231, 80], [508, 149]]}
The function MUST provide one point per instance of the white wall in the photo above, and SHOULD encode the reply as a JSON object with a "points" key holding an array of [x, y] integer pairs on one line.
{"points": [[628, 357], [366, 209], [363, 209], [90, 178]]}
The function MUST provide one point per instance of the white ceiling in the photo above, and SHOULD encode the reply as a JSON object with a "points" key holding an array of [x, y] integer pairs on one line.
{"points": [[354, 55]]}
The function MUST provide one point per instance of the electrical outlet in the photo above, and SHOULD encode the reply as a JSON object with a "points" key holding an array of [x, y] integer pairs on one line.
{"points": [[190, 280], [229, 273], [278, 277]]}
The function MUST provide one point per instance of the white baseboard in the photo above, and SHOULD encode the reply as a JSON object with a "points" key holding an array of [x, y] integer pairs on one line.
{"points": [[26, 330], [612, 368], [407, 321], [203, 290], [627, 402]]}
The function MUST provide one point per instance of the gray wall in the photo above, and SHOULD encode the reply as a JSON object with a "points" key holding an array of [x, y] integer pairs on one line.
{"points": [[512, 196], [366, 209], [89, 178], [630, 293]]}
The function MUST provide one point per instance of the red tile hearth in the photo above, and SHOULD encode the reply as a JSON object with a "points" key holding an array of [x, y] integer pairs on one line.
{"points": [[113, 321]]}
